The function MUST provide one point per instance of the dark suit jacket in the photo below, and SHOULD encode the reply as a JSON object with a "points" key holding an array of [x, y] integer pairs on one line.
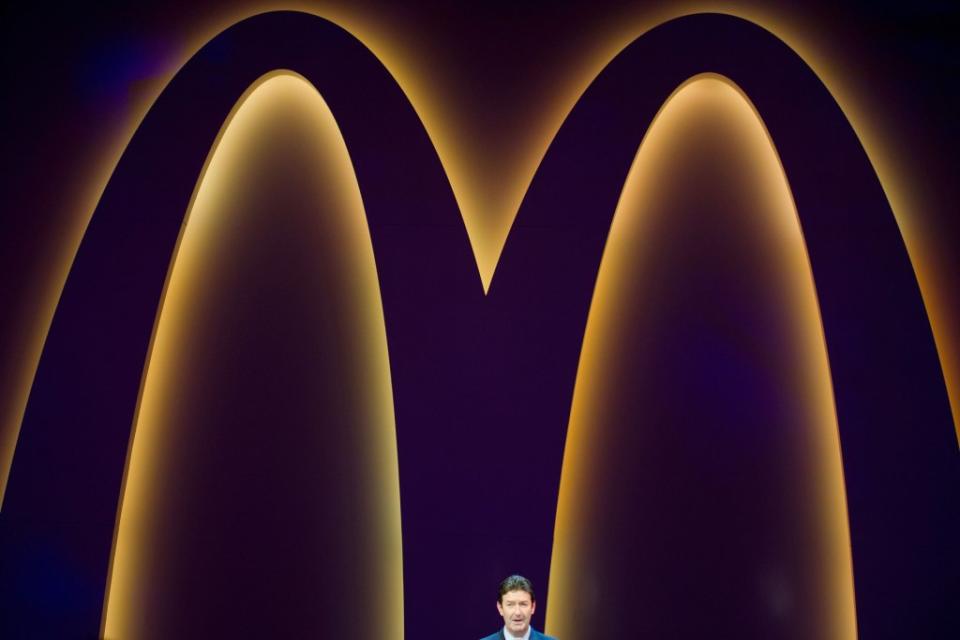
{"points": [[534, 635]]}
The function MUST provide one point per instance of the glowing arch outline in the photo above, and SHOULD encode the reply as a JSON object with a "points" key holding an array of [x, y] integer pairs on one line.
{"points": [[869, 307]]}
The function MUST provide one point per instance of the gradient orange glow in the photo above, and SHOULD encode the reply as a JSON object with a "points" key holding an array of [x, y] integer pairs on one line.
{"points": [[626, 297], [219, 216], [490, 170]]}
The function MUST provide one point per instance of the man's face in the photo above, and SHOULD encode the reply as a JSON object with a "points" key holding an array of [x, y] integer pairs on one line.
{"points": [[516, 607]]}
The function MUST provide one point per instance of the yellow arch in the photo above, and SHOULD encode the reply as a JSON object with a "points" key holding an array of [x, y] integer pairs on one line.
{"points": [[284, 111], [704, 103]]}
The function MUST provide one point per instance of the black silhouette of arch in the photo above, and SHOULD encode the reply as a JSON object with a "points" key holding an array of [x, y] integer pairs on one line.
{"points": [[470, 371], [899, 455]]}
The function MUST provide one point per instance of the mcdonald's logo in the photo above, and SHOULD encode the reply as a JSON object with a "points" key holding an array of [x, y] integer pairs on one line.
{"points": [[699, 394]]}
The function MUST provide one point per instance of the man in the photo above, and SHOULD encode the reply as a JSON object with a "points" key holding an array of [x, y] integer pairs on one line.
{"points": [[516, 604]]}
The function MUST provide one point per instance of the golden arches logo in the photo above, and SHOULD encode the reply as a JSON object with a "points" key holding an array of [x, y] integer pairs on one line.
{"points": [[532, 317]]}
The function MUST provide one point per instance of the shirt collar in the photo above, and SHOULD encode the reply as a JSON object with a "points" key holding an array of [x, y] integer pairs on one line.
{"points": [[526, 636]]}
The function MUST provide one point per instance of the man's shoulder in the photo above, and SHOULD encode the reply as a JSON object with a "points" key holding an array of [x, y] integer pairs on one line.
{"points": [[534, 635]]}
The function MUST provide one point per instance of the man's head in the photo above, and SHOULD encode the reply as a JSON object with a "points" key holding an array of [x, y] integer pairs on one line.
{"points": [[516, 603]]}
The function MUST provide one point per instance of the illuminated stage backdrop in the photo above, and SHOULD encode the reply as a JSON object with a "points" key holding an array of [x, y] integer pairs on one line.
{"points": [[760, 434]]}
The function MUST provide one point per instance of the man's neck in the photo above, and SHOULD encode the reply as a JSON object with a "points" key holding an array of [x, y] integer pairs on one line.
{"points": [[525, 636]]}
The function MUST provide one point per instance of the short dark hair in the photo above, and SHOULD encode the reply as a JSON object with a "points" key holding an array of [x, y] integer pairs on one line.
{"points": [[515, 583]]}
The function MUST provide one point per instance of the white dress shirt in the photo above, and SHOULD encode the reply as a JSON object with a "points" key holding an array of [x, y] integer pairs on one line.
{"points": [[509, 636]]}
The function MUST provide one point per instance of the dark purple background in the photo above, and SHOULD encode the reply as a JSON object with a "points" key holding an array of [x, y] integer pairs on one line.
{"points": [[513, 382]]}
